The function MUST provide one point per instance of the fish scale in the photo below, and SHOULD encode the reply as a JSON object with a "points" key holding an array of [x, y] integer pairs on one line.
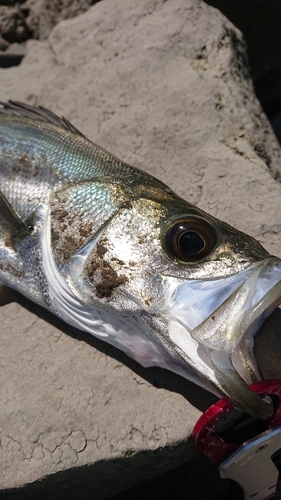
{"points": [[85, 160]]}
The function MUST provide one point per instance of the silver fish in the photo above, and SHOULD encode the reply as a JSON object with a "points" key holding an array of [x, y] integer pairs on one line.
{"points": [[114, 252]]}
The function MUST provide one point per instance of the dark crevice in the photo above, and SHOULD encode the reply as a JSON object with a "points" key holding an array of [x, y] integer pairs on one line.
{"points": [[260, 23], [268, 91], [9, 60]]}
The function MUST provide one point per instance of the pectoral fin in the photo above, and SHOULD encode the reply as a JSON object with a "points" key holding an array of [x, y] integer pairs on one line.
{"points": [[12, 227]]}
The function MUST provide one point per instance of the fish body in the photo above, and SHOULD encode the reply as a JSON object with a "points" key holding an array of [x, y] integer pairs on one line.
{"points": [[114, 252]]}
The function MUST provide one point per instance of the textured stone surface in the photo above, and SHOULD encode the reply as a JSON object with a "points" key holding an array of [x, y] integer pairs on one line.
{"points": [[27, 19], [163, 85], [259, 20], [13, 26], [43, 15]]}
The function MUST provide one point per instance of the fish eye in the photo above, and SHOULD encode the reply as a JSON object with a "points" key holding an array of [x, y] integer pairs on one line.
{"points": [[190, 239]]}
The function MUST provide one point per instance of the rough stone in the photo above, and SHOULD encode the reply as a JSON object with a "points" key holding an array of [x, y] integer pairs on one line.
{"points": [[26, 19], [17, 49], [165, 86], [13, 27], [43, 15], [259, 21]]}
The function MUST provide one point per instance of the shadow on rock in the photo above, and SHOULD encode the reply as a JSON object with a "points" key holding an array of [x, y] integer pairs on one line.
{"points": [[192, 480]]}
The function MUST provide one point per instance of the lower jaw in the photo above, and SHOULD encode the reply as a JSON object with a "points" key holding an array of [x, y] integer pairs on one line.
{"points": [[243, 358], [230, 374]]}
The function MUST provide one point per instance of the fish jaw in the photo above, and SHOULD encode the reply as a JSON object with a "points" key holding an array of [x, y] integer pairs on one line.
{"points": [[213, 328]]}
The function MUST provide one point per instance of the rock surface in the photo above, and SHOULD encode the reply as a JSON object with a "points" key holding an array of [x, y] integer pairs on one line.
{"points": [[259, 21], [28, 19], [43, 15], [164, 85], [21, 20]]}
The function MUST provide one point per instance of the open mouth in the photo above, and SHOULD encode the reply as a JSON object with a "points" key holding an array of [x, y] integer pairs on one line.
{"points": [[212, 324]]}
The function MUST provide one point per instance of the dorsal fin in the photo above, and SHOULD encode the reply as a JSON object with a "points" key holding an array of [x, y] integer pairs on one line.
{"points": [[40, 113]]}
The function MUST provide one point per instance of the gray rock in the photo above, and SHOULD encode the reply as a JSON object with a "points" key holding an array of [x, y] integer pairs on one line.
{"points": [[17, 49], [24, 19], [259, 21], [165, 86], [13, 27], [43, 15]]}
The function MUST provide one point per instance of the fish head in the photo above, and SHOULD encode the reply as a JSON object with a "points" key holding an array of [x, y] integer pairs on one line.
{"points": [[188, 283]]}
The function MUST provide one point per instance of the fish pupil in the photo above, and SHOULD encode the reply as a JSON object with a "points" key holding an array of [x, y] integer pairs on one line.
{"points": [[190, 242]]}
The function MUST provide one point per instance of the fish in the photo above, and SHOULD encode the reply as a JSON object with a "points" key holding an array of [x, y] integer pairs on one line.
{"points": [[114, 252]]}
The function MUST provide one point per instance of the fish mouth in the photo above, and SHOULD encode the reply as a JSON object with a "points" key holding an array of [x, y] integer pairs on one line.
{"points": [[212, 324]]}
